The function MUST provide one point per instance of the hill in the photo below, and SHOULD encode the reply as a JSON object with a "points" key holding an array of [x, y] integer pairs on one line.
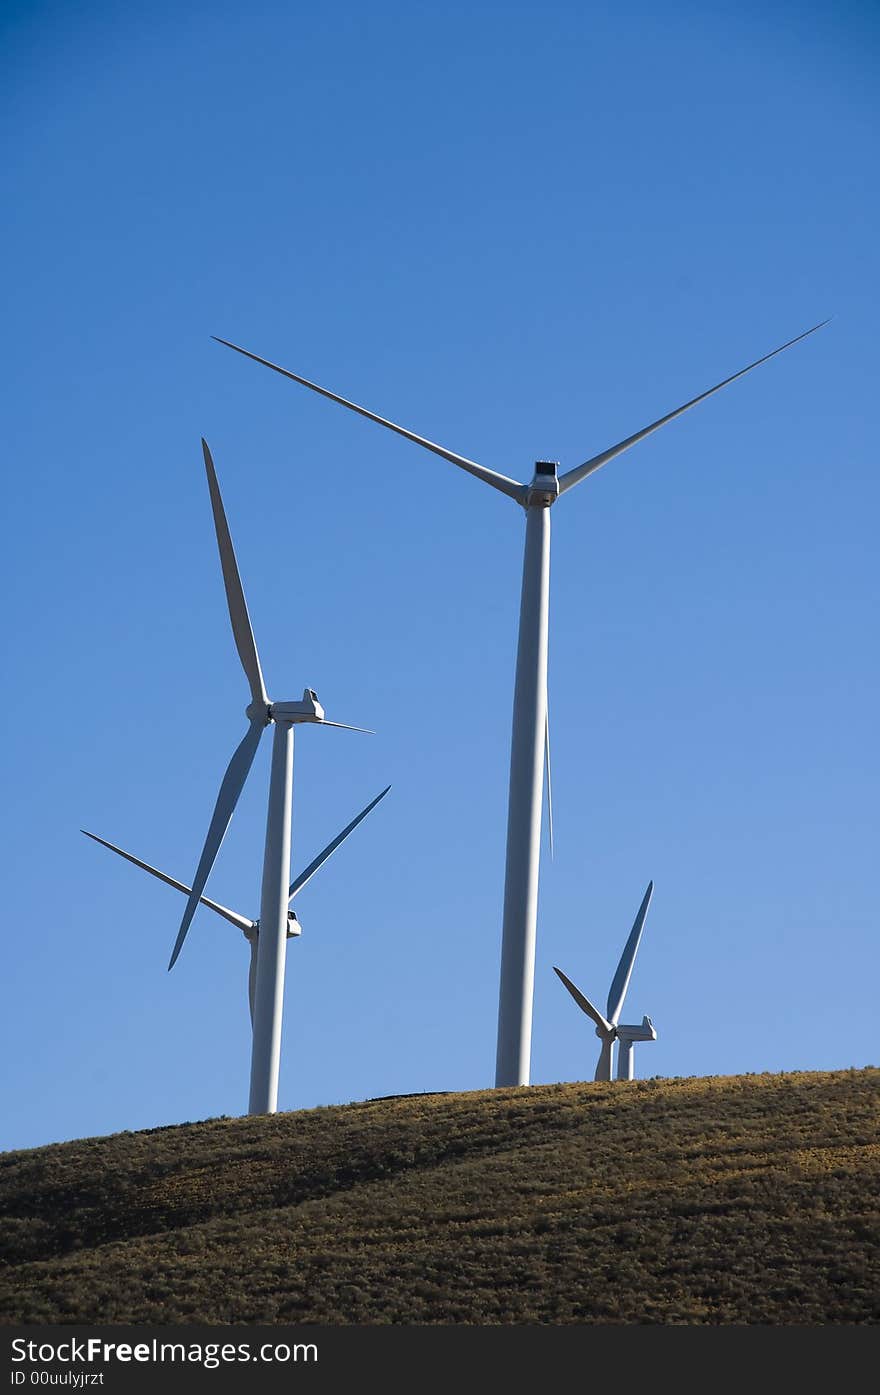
{"points": [[745, 1199]]}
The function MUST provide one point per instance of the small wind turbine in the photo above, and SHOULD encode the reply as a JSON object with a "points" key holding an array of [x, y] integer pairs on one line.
{"points": [[607, 1029], [529, 736], [261, 713], [251, 928]]}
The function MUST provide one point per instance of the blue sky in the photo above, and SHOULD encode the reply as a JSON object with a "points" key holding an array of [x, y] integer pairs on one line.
{"points": [[523, 231]]}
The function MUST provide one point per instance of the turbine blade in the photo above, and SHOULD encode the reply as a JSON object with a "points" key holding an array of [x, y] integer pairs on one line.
{"points": [[620, 982], [549, 785], [584, 1003], [232, 916], [573, 477], [319, 861], [230, 789], [345, 727], [502, 482], [238, 611], [603, 1066]]}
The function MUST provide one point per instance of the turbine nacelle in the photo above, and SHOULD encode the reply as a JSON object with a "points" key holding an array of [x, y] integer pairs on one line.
{"points": [[293, 928], [308, 710], [645, 1032], [543, 490]]}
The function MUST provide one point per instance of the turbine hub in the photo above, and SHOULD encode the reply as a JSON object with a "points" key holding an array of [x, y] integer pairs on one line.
{"points": [[258, 709], [544, 488]]}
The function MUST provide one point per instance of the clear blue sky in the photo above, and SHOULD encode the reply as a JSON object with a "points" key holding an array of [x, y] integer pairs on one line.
{"points": [[523, 231]]}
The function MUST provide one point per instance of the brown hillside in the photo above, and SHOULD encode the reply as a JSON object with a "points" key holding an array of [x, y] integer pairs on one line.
{"points": [[749, 1199]]}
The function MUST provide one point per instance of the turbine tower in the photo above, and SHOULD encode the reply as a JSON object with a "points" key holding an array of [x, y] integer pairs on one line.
{"points": [[607, 1029], [529, 734], [251, 928], [261, 713]]}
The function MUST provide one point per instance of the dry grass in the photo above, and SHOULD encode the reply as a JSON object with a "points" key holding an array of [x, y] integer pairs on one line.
{"points": [[749, 1199]]}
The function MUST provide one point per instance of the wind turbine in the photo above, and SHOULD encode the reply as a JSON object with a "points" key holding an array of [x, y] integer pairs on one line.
{"points": [[607, 1029], [529, 739], [251, 928], [261, 713]]}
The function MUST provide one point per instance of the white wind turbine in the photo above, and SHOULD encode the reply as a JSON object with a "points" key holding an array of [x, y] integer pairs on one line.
{"points": [[251, 928], [607, 1029], [261, 713], [529, 735]]}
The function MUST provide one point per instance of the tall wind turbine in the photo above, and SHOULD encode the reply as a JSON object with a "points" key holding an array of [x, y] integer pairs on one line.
{"points": [[607, 1029], [251, 928], [529, 701], [261, 713]]}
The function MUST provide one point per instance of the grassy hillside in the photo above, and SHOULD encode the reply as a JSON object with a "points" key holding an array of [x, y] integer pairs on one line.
{"points": [[749, 1199]]}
